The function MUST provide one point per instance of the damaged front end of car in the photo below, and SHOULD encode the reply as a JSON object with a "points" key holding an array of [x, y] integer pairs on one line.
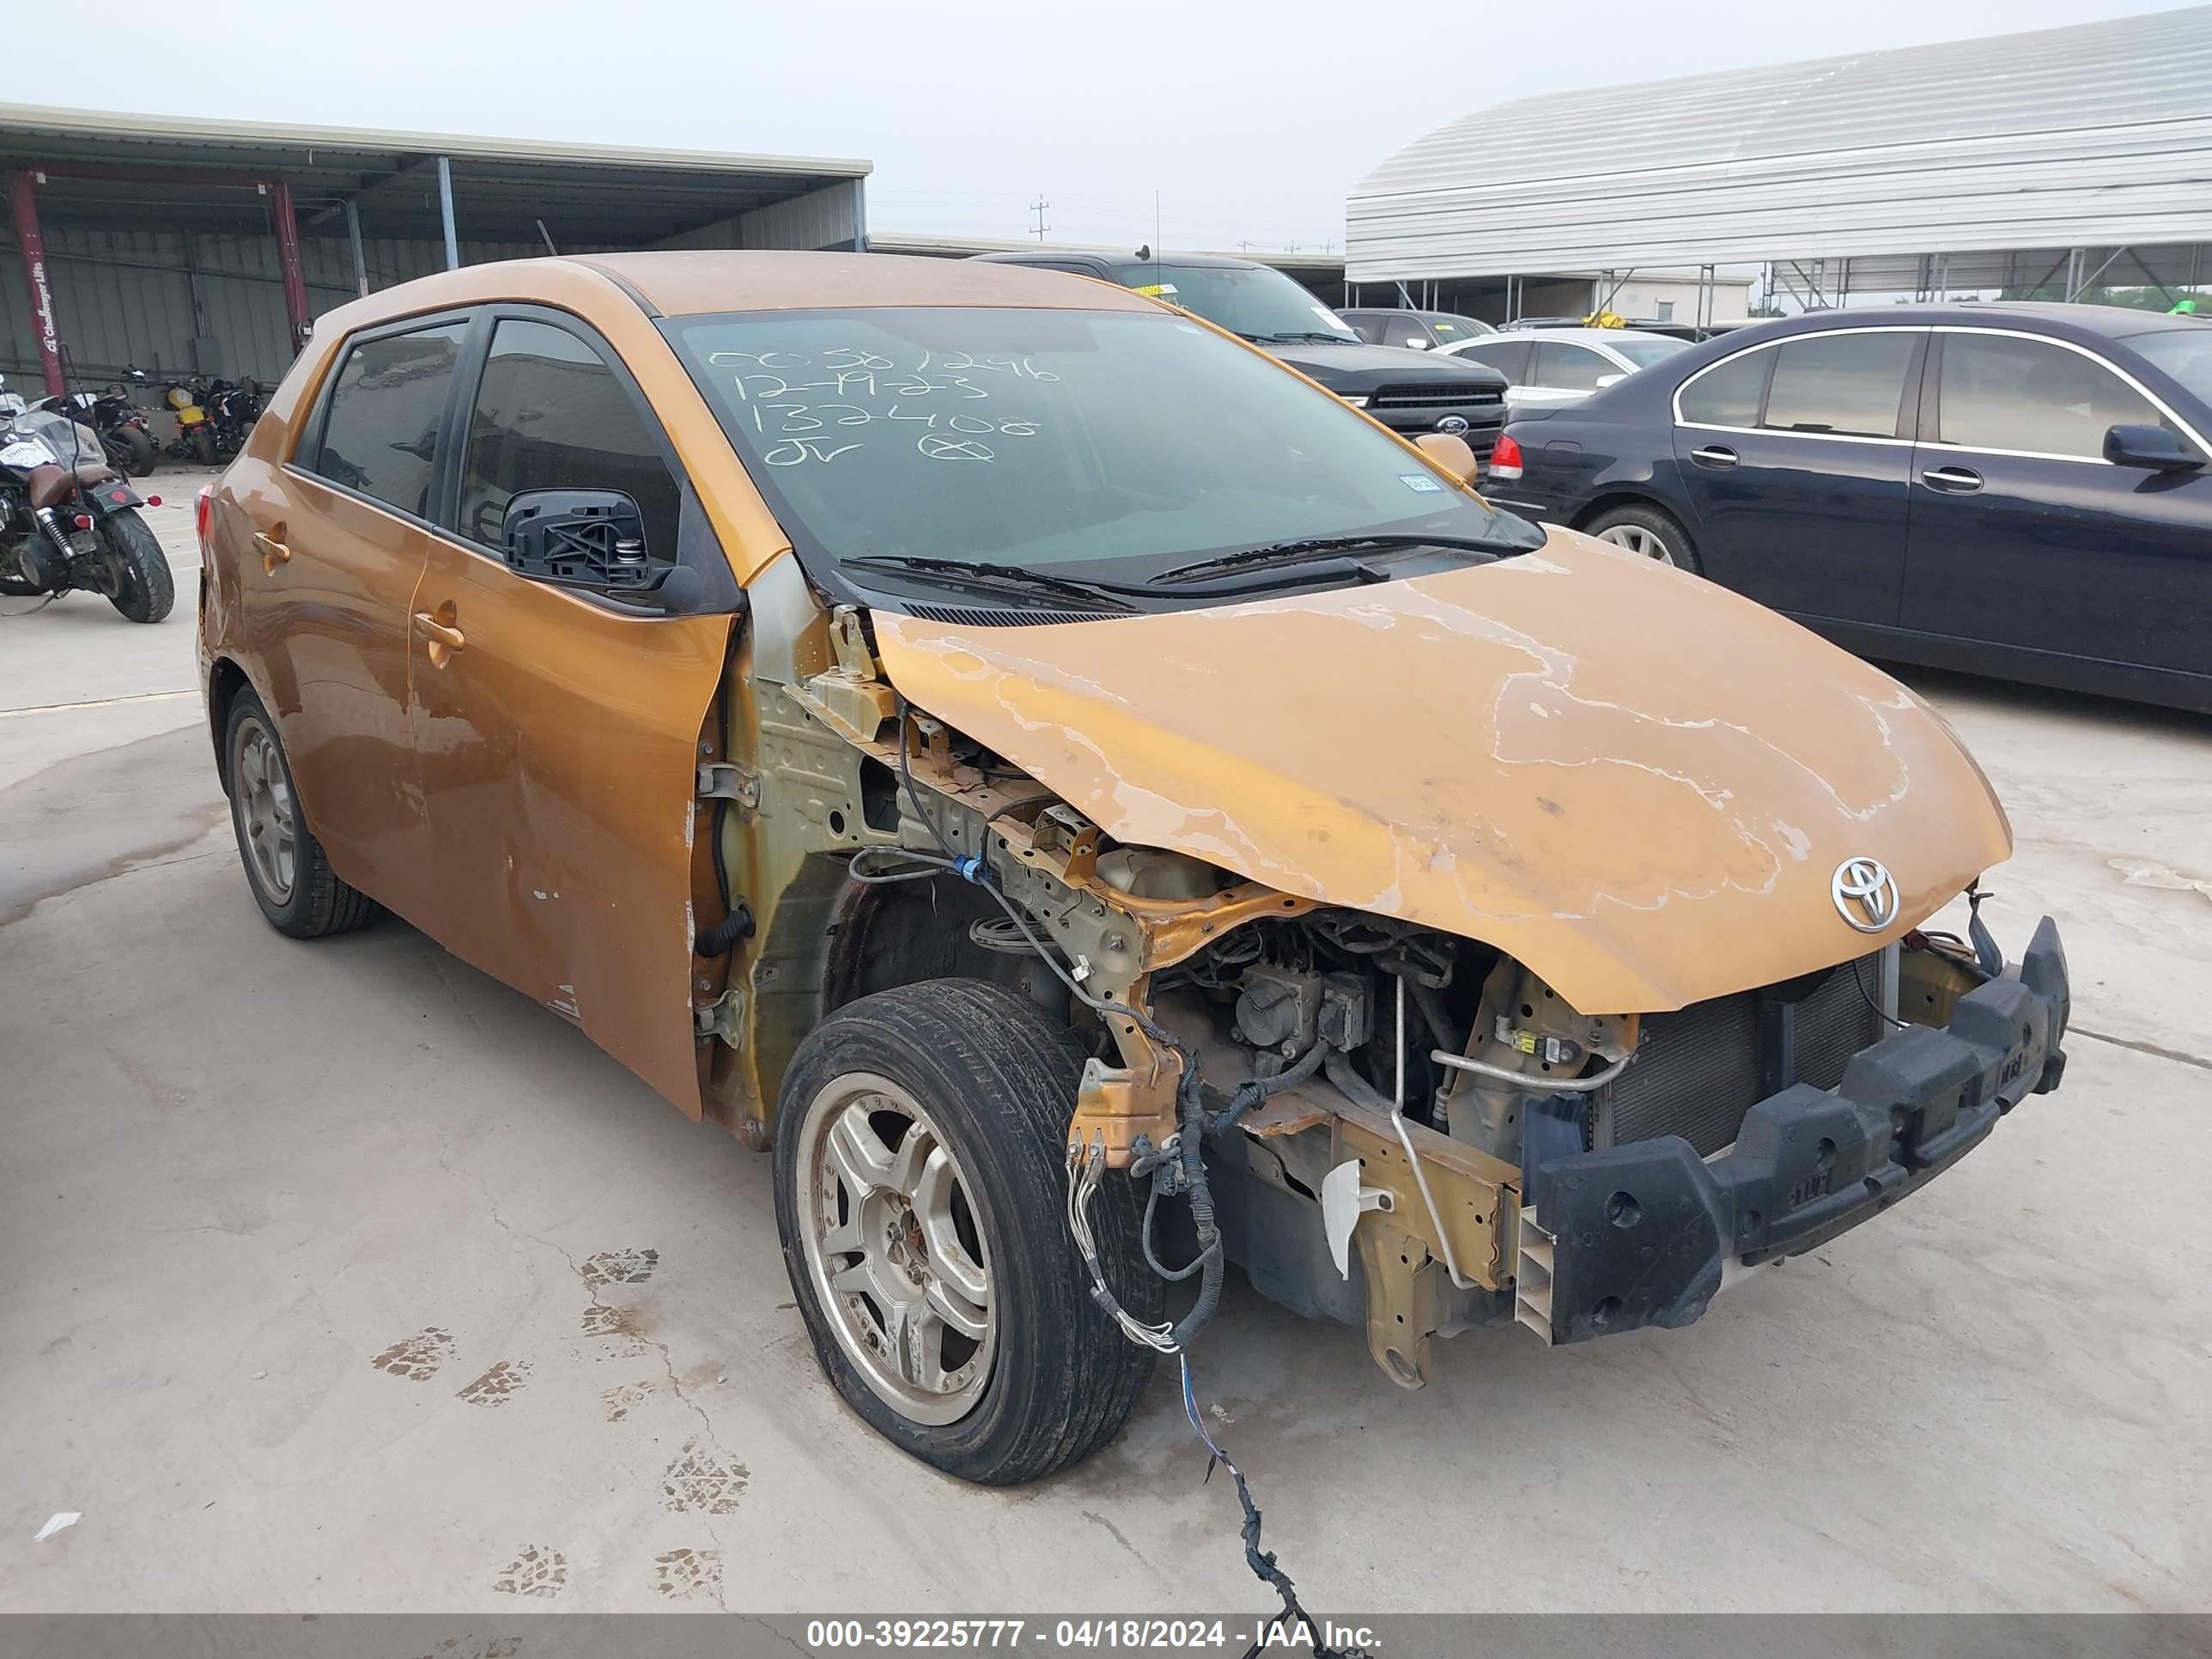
{"points": [[1410, 1127]]}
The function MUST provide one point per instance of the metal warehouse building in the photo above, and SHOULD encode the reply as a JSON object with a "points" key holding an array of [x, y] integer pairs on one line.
{"points": [[2055, 159], [189, 247]]}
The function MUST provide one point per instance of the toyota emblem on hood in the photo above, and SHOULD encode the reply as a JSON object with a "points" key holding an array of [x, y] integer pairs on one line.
{"points": [[1865, 894]]}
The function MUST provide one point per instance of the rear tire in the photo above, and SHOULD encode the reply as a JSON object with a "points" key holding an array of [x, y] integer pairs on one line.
{"points": [[1041, 1378], [1649, 532], [134, 450], [290, 878], [144, 590], [199, 443]]}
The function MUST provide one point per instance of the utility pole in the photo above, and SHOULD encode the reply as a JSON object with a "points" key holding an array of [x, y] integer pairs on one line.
{"points": [[1038, 207]]}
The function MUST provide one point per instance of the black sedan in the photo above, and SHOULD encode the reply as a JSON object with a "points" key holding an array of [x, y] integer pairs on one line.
{"points": [[2018, 490]]}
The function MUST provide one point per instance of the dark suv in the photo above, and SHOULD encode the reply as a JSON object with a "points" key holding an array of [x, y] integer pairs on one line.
{"points": [[1406, 394]]}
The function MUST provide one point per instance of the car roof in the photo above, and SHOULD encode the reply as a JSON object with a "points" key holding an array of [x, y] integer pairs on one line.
{"points": [[686, 284], [2043, 316], [1120, 261], [1598, 337]]}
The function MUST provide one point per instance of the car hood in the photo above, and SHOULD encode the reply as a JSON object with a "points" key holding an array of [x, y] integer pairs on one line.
{"points": [[1356, 368], [1637, 783]]}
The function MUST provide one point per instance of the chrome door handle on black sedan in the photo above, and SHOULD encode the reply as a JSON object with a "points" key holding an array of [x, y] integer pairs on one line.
{"points": [[1952, 480], [1714, 455]]}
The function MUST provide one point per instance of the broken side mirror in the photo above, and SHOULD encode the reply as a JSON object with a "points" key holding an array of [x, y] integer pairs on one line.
{"points": [[592, 539]]}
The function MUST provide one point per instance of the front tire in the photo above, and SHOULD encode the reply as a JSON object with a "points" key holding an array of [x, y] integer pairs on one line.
{"points": [[920, 1195], [140, 585], [290, 878], [1649, 533]]}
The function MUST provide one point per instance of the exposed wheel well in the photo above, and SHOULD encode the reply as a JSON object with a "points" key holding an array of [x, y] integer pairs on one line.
{"points": [[225, 681]]}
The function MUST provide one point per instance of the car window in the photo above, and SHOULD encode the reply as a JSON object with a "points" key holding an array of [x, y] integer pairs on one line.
{"points": [[1399, 330], [1999, 392], [380, 433], [1509, 357], [1040, 438], [1851, 384], [1645, 349], [1563, 368], [1729, 395], [549, 414], [1450, 328], [2184, 353], [1367, 325]]}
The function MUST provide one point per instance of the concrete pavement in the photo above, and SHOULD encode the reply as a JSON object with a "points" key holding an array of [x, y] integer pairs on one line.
{"points": [[341, 1278]]}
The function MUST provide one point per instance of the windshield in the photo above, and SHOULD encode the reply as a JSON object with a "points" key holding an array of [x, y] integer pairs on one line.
{"points": [[1452, 330], [2185, 353], [1049, 438], [1254, 301], [1643, 350], [70, 442]]}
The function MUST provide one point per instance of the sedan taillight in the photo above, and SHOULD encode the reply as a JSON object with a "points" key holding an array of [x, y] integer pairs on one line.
{"points": [[1505, 459]]}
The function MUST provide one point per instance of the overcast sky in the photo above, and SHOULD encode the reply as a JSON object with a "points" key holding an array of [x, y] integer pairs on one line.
{"points": [[1251, 120]]}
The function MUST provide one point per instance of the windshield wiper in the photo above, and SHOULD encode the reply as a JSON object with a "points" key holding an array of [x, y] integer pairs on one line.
{"points": [[1295, 552], [1296, 336], [978, 572]]}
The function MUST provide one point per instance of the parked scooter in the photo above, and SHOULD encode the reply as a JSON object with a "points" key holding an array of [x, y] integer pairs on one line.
{"points": [[68, 521], [194, 440]]}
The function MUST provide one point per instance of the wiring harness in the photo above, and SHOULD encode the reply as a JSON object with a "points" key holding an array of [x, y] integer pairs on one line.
{"points": [[1178, 1167]]}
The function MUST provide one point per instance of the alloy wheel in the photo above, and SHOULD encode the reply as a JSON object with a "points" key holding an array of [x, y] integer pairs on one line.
{"points": [[894, 1249], [262, 798], [1638, 540]]}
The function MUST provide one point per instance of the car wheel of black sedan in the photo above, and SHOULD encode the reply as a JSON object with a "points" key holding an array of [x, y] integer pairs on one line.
{"points": [[1648, 532]]}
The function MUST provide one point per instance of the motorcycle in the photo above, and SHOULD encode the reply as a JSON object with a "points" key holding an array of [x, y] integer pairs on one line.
{"points": [[69, 522], [125, 435], [194, 440], [232, 411]]}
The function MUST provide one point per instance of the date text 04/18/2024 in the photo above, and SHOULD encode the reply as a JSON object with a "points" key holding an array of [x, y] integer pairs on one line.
{"points": [[1086, 1634]]}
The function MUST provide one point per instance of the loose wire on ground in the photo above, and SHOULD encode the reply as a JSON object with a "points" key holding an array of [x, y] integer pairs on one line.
{"points": [[1086, 1168]]}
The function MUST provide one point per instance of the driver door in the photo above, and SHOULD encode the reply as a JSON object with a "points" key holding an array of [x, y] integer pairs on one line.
{"points": [[555, 732]]}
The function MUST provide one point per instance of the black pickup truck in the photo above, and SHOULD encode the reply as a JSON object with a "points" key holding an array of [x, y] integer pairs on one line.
{"points": [[1407, 391]]}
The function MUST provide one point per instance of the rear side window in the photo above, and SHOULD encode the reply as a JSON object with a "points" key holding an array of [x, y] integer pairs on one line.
{"points": [[1367, 325], [1405, 331], [1563, 368], [380, 435], [1509, 357], [551, 414], [1852, 384], [1997, 392], [1729, 395]]}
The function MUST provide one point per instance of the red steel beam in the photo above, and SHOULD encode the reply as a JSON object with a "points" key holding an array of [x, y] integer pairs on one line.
{"points": [[296, 309], [24, 208]]}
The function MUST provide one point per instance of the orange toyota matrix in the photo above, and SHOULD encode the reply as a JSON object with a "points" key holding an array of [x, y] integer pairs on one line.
{"points": [[1098, 808]]}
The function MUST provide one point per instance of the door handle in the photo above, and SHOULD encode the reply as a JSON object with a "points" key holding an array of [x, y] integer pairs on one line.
{"points": [[1714, 455], [1953, 480], [444, 638], [270, 544]]}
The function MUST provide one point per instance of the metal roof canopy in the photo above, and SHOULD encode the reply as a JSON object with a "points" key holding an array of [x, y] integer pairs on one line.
{"points": [[113, 171], [2096, 135]]}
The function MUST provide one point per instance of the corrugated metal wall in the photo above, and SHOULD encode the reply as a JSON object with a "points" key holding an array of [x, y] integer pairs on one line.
{"points": [[146, 297], [215, 304], [2096, 134]]}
